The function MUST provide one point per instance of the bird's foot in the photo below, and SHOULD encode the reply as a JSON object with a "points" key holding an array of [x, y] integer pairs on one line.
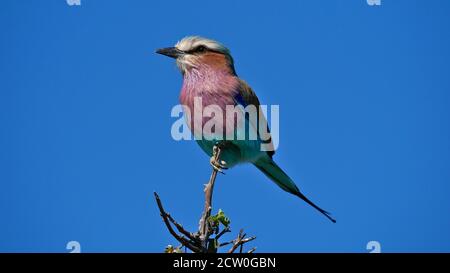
{"points": [[218, 165]]}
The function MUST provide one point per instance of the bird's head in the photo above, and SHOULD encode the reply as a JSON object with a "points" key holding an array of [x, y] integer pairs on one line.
{"points": [[194, 52]]}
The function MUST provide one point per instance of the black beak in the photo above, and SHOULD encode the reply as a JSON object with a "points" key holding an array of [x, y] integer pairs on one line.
{"points": [[171, 52]]}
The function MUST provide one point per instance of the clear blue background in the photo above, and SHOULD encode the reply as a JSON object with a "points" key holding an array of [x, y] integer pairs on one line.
{"points": [[85, 104]]}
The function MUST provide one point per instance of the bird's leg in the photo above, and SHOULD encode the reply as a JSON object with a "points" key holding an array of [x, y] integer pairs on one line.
{"points": [[216, 163]]}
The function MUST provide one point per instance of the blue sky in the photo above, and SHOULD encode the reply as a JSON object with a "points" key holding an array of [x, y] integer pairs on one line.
{"points": [[364, 123]]}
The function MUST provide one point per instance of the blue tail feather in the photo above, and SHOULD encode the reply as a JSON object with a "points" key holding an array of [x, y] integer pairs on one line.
{"points": [[277, 175]]}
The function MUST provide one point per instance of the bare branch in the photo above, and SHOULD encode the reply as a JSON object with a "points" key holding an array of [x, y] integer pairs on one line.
{"points": [[179, 238], [226, 243], [225, 230], [240, 241], [180, 229], [252, 250], [199, 242], [204, 225]]}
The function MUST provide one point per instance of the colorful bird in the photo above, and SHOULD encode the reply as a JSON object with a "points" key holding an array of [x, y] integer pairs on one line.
{"points": [[209, 78]]}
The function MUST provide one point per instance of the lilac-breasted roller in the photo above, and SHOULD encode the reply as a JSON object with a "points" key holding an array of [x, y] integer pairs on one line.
{"points": [[209, 78]]}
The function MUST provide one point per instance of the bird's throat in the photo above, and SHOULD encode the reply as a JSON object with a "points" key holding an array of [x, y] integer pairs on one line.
{"points": [[215, 86]]}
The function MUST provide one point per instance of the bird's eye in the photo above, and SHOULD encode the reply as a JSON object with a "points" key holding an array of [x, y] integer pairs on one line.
{"points": [[200, 49]]}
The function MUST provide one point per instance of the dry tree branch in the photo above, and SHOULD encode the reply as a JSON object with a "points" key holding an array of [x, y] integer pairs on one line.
{"points": [[166, 220], [199, 242], [252, 250], [225, 230], [209, 188], [240, 241], [180, 229]]}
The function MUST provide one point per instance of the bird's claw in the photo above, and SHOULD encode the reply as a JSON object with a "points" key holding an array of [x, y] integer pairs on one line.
{"points": [[218, 166]]}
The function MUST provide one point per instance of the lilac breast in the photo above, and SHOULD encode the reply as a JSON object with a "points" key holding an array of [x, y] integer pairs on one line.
{"points": [[211, 89]]}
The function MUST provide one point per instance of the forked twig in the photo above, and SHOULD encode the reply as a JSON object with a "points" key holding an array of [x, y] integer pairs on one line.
{"points": [[240, 241], [166, 218]]}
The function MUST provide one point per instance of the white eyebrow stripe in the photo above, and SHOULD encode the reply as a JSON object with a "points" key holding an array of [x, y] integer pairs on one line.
{"points": [[191, 42]]}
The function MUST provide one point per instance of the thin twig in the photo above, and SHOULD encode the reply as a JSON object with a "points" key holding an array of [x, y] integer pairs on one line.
{"points": [[180, 228], [252, 250], [240, 241], [179, 238], [225, 230], [226, 243]]}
